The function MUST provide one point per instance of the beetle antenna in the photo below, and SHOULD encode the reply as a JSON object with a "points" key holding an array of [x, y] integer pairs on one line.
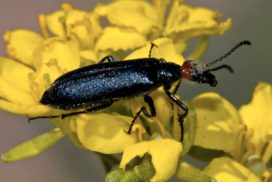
{"points": [[242, 43], [224, 66]]}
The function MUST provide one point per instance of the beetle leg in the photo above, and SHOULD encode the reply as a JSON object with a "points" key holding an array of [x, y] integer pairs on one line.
{"points": [[134, 119], [101, 106], [143, 109], [181, 121], [62, 116], [176, 87], [151, 106], [178, 102], [150, 50], [107, 58]]}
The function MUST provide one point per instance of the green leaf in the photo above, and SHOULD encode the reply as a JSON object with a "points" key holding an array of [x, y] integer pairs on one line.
{"points": [[109, 161], [33, 147], [118, 175], [142, 166], [145, 169], [139, 169], [256, 165]]}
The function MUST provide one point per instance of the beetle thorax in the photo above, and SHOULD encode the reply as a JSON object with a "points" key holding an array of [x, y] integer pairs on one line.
{"points": [[168, 73]]}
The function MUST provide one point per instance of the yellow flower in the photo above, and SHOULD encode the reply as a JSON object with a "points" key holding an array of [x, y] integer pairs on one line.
{"points": [[225, 169], [37, 66], [217, 120], [148, 21], [80, 26], [245, 135], [165, 156], [258, 118]]}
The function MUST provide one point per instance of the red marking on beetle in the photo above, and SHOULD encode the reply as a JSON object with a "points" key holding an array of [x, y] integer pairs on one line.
{"points": [[186, 70]]}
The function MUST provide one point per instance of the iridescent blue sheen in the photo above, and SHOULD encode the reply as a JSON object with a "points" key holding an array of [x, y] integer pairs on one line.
{"points": [[94, 85]]}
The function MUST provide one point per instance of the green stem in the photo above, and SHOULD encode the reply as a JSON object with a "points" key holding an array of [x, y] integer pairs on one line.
{"points": [[189, 173], [109, 161]]}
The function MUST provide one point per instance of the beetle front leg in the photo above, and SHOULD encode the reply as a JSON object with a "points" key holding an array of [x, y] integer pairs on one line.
{"points": [[107, 58], [178, 102], [176, 87]]}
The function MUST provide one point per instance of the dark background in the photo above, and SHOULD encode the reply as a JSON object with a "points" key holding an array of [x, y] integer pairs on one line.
{"points": [[65, 162]]}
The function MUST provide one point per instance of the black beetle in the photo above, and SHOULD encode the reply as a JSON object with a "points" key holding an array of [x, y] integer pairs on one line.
{"points": [[94, 87]]}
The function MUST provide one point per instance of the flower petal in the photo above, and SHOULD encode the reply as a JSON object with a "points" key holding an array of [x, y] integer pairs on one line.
{"points": [[139, 15], [13, 94], [164, 48], [55, 22], [65, 53], [83, 29], [165, 155], [14, 82], [163, 107], [187, 172], [258, 117], [161, 7], [88, 57], [119, 39], [54, 58], [29, 110], [69, 127], [218, 120], [191, 22], [225, 169], [33, 147], [167, 51], [105, 133], [21, 44]]}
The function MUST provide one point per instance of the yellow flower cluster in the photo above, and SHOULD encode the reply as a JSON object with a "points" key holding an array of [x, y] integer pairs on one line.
{"points": [[243, 134], [72, 38]]}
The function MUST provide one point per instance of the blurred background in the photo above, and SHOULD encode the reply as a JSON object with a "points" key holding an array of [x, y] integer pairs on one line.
{"points": [[65, 162]]}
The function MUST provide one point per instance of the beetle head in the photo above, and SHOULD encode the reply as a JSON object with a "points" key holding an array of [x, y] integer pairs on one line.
{"points": [[202, 74], [193, 72]]}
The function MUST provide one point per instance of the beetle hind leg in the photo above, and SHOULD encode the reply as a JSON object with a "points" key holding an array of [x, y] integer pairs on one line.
{"points": [[151, 106], [143, 109], [88, 110]]}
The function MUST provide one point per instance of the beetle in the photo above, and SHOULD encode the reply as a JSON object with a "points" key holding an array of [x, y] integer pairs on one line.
{"points": [[98, 86]]}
